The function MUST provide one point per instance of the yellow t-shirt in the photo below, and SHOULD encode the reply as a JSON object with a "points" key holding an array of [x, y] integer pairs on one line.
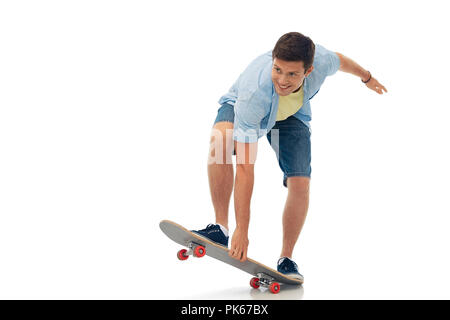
{"points": [[290, 104]]}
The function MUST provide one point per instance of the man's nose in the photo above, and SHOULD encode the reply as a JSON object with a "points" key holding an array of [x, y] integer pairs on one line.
{"points": [[282, 80]]}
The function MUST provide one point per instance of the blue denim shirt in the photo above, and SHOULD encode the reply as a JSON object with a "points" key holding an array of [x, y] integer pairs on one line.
{"points": [[255, 100]]}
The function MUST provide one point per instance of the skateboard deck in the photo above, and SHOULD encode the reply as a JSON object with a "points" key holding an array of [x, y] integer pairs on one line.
{"points": [[199, 246]]}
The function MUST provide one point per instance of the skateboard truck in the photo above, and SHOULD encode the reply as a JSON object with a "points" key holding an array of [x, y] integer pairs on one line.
{"points": [[195, 250], [265, 280]]}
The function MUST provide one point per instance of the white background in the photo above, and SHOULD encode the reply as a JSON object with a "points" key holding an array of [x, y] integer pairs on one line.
{"points": [[105, 113]]}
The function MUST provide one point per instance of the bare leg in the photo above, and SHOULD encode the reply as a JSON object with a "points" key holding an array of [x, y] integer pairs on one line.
{"points": [[220, 170], [295, 211]]}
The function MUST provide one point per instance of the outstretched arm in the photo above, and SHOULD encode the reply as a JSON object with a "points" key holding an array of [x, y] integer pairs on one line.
{"points": [[350, 66]]}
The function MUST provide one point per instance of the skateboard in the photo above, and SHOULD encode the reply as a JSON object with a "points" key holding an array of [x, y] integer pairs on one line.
{"points": [[198, 247]]}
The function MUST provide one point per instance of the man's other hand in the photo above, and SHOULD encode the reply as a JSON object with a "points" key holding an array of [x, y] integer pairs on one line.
{"points": [[239, 245]]}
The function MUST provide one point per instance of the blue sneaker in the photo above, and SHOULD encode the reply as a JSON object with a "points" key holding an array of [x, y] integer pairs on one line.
{"points": [[288, 267], [214, 233]]}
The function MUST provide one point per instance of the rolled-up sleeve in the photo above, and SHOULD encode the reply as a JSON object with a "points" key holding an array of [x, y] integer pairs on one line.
{"points": [[248, 113], [334, 62], [328, 61]]}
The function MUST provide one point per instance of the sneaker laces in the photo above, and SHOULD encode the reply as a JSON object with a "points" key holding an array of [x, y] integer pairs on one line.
{"points": [[288, 264], [209, 227]]}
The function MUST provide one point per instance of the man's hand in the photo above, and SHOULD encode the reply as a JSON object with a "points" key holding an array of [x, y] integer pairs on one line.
{"points": [[239, 245], [350, 66], [374, 85]]}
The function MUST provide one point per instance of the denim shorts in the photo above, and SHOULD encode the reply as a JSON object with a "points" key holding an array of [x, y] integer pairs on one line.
{"points": [[293, 145]]}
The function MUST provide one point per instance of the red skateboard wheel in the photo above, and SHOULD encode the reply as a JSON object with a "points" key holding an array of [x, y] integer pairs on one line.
{"points": [[182, 254], [254, 283], [274, 287], [199, 251]]}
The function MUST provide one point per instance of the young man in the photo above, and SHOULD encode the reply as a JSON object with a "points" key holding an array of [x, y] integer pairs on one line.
{"points": [[271, 97]]}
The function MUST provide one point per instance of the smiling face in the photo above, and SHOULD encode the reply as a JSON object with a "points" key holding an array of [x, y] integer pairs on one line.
{"points": [[288, 76]]}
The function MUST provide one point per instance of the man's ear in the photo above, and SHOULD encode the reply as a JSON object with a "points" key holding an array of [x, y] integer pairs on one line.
{"points": [[309, 71]]}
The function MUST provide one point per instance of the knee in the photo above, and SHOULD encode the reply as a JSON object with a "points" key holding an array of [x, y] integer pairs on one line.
{"points": [[221, 144], [298, 185]]}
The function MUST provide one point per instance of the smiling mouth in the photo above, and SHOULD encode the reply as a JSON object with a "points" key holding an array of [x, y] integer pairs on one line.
{"points": [[283, 87]]}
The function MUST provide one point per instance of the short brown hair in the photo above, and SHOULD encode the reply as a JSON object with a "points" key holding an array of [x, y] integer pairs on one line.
{"points": [[294, 46]]}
